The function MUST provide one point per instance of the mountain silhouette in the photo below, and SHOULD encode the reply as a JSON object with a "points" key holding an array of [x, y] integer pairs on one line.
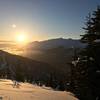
{"points": [[53, 43]]}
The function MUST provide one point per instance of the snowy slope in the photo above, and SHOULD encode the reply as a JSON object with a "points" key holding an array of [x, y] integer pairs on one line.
{"points": [[30, 92]]}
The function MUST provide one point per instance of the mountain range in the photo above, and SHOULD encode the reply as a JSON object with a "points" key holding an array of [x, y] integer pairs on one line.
{"points": [[43, 61], [58, 42]]}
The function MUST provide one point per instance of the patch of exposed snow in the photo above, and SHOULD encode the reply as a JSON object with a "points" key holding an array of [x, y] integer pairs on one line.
{"points": [[28, 91]]}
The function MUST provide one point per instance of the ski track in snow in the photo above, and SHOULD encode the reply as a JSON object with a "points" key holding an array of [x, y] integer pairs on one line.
{"points": [[30, 92]]}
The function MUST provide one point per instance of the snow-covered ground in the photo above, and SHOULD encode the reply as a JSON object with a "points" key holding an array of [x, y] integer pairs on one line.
{"points": [[30, 92]]}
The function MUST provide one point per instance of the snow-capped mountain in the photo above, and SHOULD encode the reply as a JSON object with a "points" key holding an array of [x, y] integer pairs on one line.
{"points": [[53, 43]]}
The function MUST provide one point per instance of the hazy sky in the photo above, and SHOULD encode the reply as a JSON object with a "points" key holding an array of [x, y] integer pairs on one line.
{"points": [[43, 19]]}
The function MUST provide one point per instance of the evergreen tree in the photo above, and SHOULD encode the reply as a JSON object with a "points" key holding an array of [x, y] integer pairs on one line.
{"points": [[87, 69], [92, 27]]}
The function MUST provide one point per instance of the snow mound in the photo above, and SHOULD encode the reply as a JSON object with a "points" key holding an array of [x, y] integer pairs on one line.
{"points": [[28, 91]]}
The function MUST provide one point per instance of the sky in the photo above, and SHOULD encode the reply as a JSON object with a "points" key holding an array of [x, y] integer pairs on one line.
{"points": [[44, 19]]}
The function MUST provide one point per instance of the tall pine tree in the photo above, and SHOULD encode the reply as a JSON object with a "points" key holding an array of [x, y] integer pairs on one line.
{"points": [[92, 27], [87, 69]]}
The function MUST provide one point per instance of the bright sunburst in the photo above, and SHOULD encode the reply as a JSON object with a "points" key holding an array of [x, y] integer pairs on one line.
{"points": [[21, 38]]}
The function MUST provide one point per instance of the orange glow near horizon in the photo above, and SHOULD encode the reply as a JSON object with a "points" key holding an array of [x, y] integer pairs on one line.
{"points": [[21, 39]]}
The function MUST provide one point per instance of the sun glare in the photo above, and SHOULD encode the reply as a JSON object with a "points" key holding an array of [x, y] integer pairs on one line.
{"points": [[21, 38]]}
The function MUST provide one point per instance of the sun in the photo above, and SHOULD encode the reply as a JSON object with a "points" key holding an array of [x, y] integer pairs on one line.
{"points": [[21, 38]]}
